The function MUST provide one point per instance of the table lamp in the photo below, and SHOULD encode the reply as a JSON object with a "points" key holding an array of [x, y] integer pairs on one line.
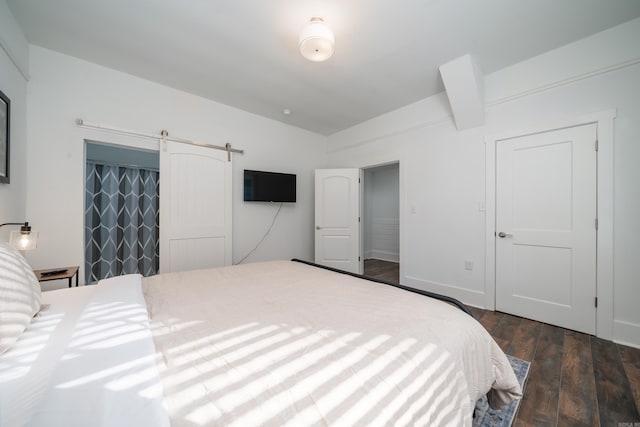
{"points": [[24, 239]]}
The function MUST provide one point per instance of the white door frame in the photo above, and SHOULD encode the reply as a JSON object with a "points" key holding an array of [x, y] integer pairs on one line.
{"points": [[382, 159], [362, 171], [374, 162], [604, 276]]}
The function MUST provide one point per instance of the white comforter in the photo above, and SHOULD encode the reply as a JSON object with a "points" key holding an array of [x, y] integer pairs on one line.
{"points": [[286, 344], [86, 360], [276, 343]]}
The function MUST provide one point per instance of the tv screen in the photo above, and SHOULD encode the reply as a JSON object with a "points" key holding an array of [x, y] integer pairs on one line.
{"points": [[269, 186]]}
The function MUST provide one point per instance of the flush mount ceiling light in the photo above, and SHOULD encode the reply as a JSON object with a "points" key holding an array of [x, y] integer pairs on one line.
{"points": [[316, 40]]}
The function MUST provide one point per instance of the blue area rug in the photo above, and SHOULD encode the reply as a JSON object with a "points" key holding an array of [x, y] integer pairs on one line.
{"points": [[487, 417]]}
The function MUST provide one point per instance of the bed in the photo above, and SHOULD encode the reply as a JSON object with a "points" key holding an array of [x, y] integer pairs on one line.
{"points": [[275, 343]]}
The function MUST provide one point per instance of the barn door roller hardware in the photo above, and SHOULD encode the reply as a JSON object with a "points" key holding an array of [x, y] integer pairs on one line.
{"points": [[164, 136]]}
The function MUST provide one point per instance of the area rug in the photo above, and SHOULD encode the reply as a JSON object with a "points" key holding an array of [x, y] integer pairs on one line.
{"points": [[487, 417]]}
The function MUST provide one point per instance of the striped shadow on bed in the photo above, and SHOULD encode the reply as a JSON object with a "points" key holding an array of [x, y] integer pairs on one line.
{"points": [[484, 416]]}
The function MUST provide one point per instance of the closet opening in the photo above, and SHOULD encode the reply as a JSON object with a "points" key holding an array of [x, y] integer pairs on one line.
{"points": [[381, 222], [122, 204]]}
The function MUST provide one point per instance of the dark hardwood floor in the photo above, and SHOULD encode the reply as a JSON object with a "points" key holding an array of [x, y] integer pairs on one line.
{"points": [[574, 379], [384, 270]]}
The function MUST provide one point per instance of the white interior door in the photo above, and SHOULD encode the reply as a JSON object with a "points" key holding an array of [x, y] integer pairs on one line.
{"points": [[338, 227], [546, 227], [195, 208]]}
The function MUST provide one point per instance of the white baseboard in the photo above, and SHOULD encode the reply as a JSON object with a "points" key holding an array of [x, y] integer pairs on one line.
{"points": [[626, 333], [382, 255], [467, 296]]}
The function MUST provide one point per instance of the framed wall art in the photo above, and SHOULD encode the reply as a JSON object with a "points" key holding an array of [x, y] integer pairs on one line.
{"points": [[5, 111]]}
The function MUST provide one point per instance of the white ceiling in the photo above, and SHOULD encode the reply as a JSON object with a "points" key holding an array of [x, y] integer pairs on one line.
{"points": [[244, 53]]}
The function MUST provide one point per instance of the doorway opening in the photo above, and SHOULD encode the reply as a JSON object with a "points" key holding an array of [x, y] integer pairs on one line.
{"points": [[122, 204], [381, 222]]}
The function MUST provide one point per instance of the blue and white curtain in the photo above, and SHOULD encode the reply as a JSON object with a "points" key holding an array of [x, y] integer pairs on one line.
{"points": [[121, 221]]}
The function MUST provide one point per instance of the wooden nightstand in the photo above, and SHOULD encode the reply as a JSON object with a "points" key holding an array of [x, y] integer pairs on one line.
{"points": [[57, 274]]}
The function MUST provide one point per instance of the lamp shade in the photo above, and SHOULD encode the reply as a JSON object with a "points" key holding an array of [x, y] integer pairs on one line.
{"points": [[316, 41], [24, 241]]}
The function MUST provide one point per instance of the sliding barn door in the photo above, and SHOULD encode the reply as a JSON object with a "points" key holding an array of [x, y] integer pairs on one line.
{"points": [[195, 208]]}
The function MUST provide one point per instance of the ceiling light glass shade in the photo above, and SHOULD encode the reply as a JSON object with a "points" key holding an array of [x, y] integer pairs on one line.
{"points": [[316, 41], [24, 241]]}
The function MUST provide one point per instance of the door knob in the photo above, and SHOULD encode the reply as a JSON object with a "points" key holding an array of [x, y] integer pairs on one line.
{"points": [[318, 227], [502, 235]]}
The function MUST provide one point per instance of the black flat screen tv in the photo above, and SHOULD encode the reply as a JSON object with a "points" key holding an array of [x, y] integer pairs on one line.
{"points": [[262, 186]]}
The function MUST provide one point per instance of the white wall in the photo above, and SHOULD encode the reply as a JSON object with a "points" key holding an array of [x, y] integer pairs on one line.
{"points": [[64, 88], [443, 170], [13, 66], [381, 213], [118, 155]]}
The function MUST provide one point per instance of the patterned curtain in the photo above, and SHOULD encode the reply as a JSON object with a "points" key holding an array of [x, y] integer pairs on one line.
{"points": [[121, 221]]}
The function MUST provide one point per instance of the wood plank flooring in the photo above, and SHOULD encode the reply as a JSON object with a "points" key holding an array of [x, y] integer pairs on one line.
{"points": [[574, 380], [383, 270]]}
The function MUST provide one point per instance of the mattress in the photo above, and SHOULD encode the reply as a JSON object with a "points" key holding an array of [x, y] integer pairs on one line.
{"points": [[287, 344]]}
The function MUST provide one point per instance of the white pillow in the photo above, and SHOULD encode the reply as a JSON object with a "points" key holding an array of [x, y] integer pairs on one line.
{"points": [[19, 295]]}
